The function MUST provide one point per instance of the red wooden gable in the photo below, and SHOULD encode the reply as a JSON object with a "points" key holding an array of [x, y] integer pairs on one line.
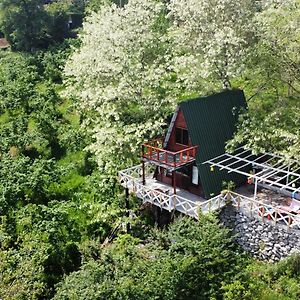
{"points": [[179, 123]]}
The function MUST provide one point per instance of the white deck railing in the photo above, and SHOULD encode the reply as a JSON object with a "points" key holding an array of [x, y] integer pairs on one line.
{"points": [[131, 179], [266, 212]]}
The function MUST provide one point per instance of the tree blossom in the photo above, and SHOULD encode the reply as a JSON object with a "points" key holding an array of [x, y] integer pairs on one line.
{"points": [[119, 76], [272, 123], [279, 35], [212, 38]]}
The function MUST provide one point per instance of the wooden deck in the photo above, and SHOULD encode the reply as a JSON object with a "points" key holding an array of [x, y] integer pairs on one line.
{"points": [[162, 195], [155, 184]]}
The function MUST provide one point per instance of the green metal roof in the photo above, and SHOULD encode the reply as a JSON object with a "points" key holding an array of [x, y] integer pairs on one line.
{"points": [[211, 123]]}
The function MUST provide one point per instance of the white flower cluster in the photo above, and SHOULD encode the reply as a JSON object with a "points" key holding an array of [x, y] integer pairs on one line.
{"points": [[212, 38]]}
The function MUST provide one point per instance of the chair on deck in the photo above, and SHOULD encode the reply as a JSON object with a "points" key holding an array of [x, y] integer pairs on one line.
{"points": [[290, 212], [293, 207]]}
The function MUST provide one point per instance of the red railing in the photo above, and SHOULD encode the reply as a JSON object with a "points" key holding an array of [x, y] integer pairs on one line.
{"points": [[153, 151]]}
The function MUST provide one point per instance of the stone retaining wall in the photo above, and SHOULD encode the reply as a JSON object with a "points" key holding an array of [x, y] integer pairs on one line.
{"points": [[262, 239]]}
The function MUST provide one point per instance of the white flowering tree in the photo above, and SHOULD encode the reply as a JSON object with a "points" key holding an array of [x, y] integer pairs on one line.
{"points": [[119, 76], [272, 123], [212, 39], [137, 61], [279, 35]]}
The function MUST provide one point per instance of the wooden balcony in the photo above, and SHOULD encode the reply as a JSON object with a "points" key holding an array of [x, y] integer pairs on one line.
{"points": [[153, 151]]}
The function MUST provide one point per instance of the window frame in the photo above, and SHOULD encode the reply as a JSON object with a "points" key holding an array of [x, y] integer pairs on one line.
{"points": [[181, 136]]}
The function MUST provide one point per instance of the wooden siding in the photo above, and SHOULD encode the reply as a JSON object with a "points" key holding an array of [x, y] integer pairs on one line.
{"points": [[179, 123], [183, 181]]}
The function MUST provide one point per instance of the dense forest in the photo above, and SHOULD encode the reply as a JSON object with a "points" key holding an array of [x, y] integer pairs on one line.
{"points": [[81, 86]]}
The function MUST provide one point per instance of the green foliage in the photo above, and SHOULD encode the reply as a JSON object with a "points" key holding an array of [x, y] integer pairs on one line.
{"points": [[126, 95], [23, 23], [45, 249], [51, 61], [96, 5], [29, 104], [187, 262], [130, 68], [272, 129], [25, 181], [58, 19], [272, 83], [30, 25], [22, 272], [18, 76], [267, 282]]}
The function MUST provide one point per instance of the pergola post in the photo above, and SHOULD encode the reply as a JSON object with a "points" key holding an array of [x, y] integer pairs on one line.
{"points": [[287, 177], [255, 188]]}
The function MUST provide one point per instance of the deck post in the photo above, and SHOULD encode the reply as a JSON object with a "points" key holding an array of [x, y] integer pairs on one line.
{"points": [[143, 150], [174, 181], [143, 165], [143, 173], [127, 209]]}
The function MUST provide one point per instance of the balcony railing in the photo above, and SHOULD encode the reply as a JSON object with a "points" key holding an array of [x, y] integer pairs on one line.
{"points": [[153, 151]]}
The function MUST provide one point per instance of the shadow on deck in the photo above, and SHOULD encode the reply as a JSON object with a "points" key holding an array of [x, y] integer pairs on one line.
{"points": [[169, 190]]}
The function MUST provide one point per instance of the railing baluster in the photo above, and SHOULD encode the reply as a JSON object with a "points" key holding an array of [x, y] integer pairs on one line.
{"points": [[152, 148]]}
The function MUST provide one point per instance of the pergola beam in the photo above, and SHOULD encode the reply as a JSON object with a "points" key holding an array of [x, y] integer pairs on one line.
{"points": [[228, 158], [285, 176], [291, 182], [246, 164], [273, 173], [269, 169], [235, 162]]}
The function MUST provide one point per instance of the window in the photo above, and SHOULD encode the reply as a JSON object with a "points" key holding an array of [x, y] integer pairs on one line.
{"points": [[181, 136]]}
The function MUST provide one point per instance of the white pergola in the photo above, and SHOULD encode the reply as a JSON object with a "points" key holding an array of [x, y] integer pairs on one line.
{"points": [[267, 170]]}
